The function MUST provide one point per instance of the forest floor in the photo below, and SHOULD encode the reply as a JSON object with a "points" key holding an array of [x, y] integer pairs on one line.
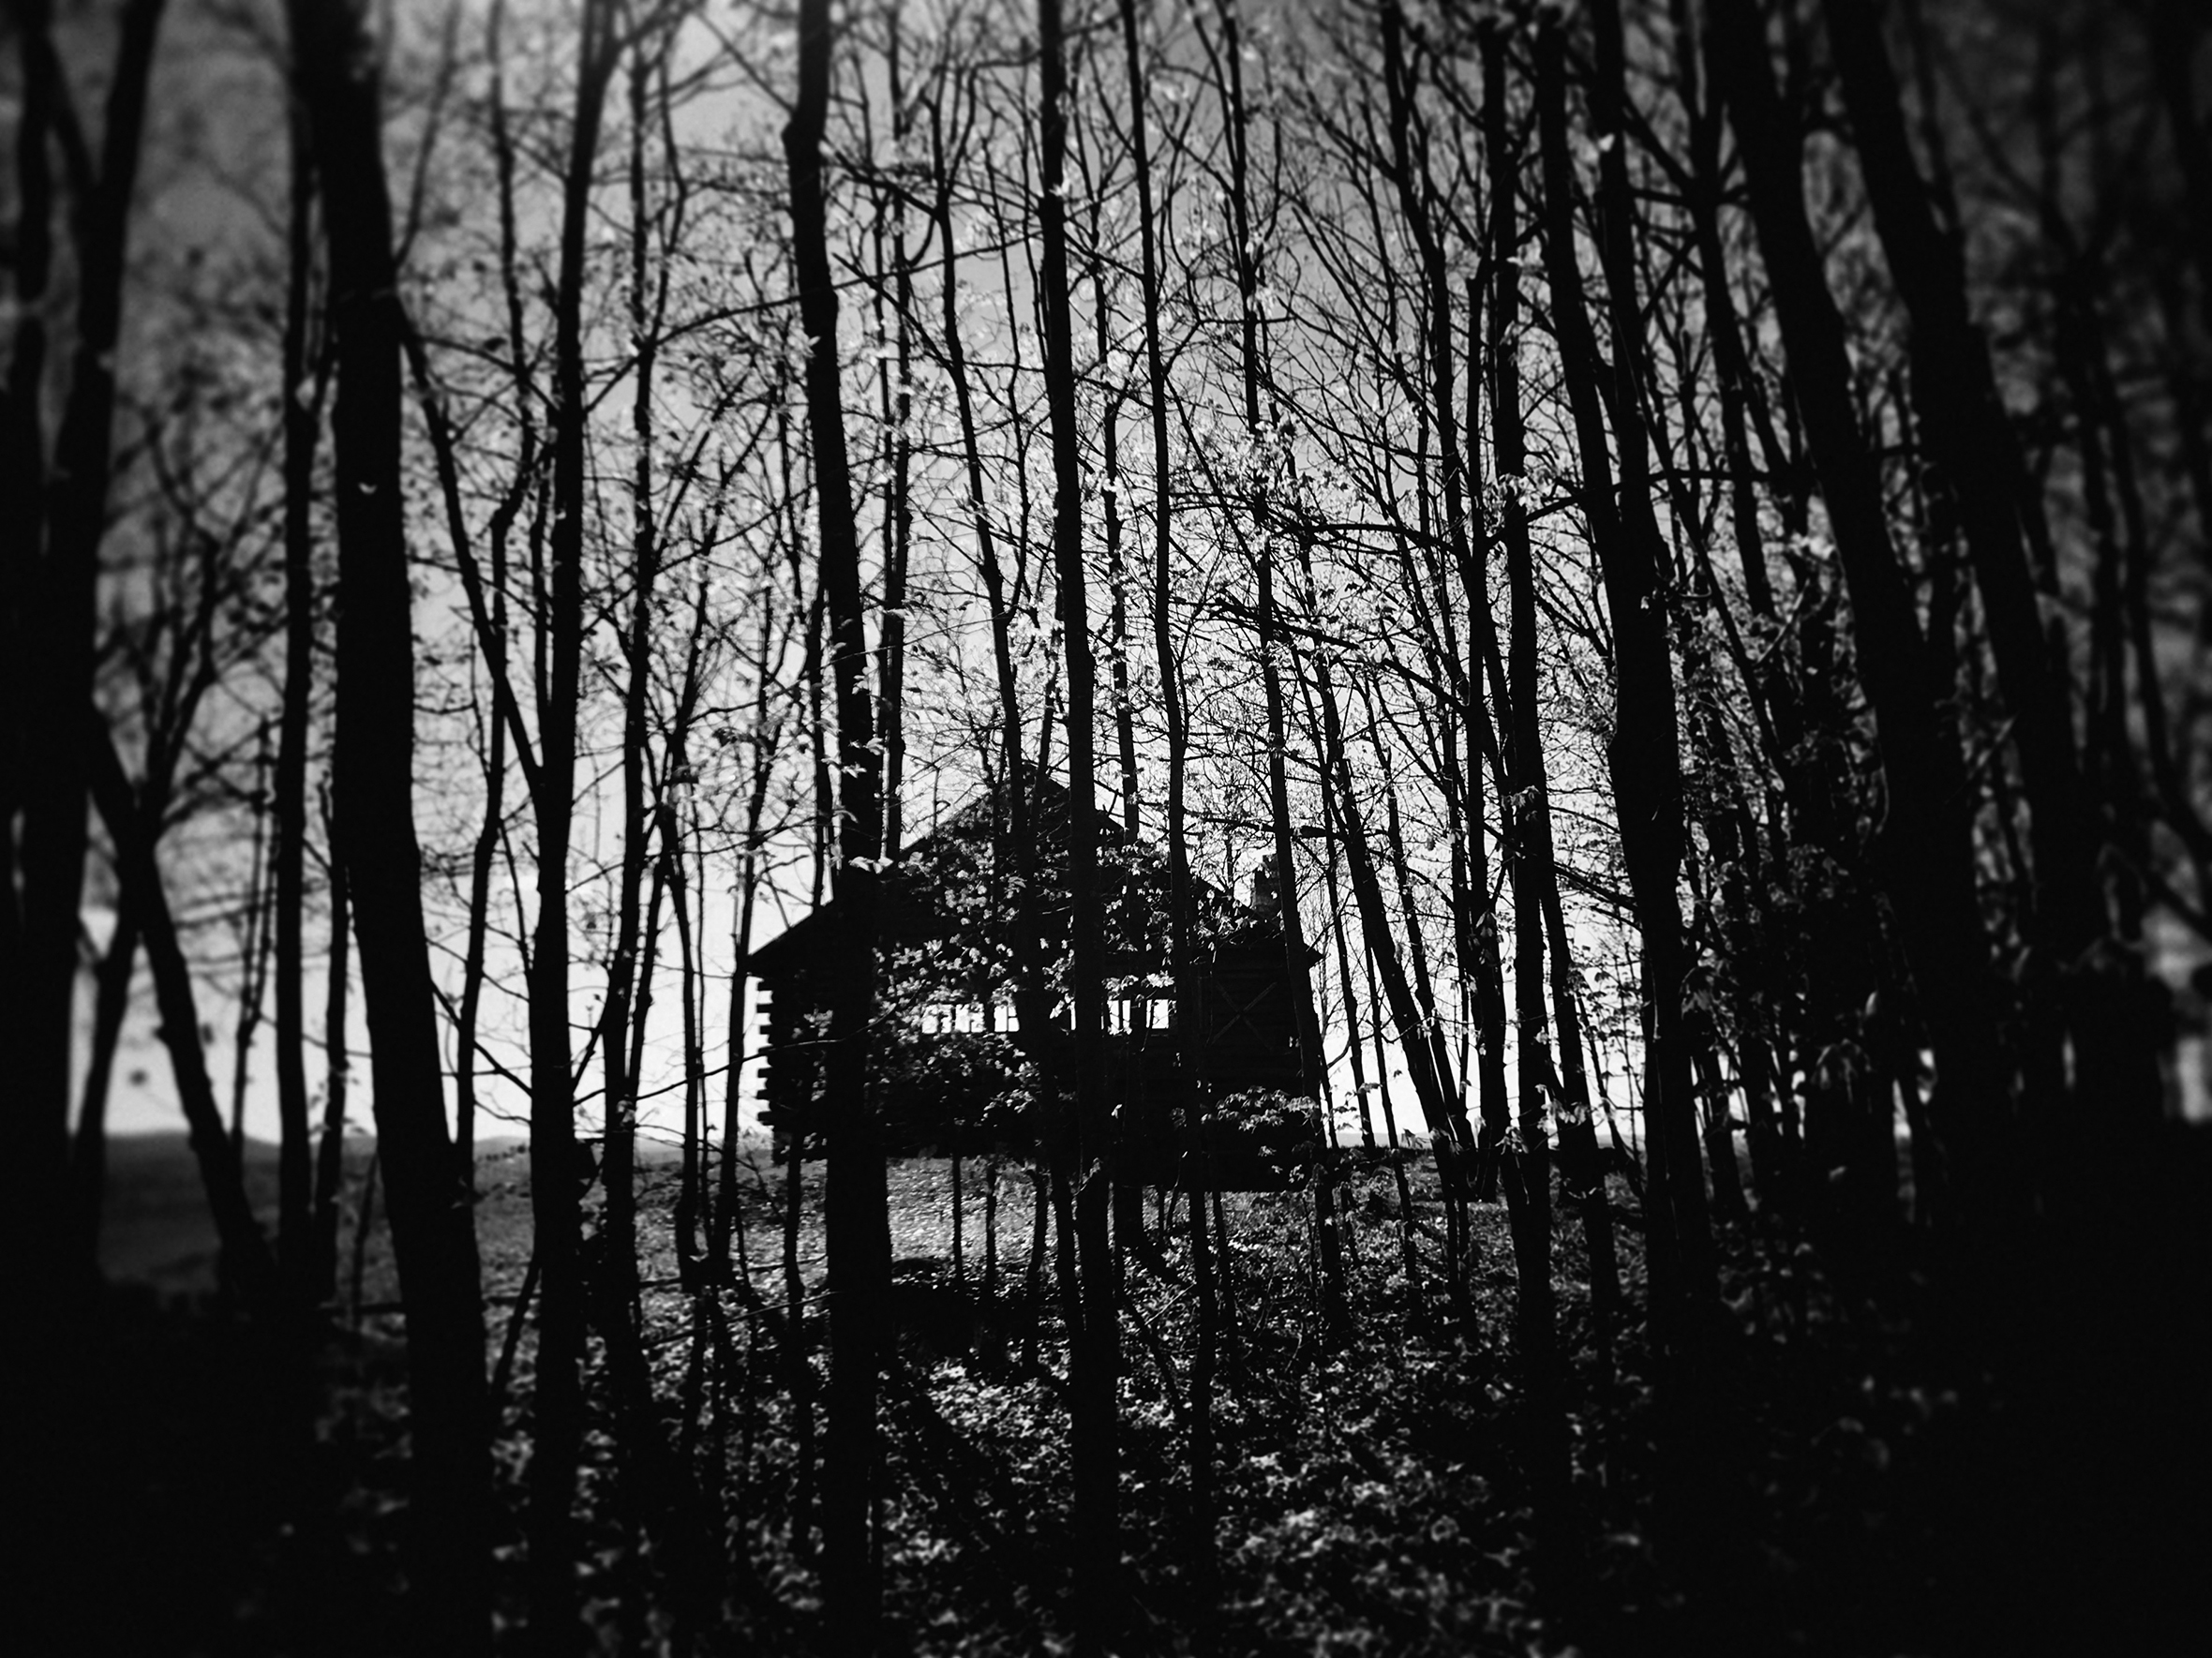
{"points": [[1884, 1482]]}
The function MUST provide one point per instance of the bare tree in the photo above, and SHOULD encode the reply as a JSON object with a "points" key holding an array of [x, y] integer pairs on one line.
{"points": [[433, 1225], [859, 1246]]}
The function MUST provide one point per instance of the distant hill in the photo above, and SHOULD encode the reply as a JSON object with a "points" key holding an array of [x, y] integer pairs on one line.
{"points": [[156, 1228]]}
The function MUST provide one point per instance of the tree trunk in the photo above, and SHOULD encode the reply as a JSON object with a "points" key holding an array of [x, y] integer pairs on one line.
{"points": [[1967, 433], [799, 1362], [1411, 169], [60, 515], [898, 505], [433, 1227], [1095, 1449], [1641, 754], [1535, 868], [295, 1227], [246, 1262], [1134, 928], [1924, 857], [330, 1155], [1336, 1307], [1447, 1138], [88, 1154], [628, 984], [1348, 832], [1359, 1069], [854, 1206], [726, 1206], [253, 952], [558, 1411], [1202, 1540], [1020, 840]]}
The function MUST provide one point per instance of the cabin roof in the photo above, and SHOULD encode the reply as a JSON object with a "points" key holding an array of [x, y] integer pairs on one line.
{"points": [[961, 844]]}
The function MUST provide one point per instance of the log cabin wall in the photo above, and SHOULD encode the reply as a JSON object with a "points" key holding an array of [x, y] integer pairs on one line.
{"points": [[949, 1065]]}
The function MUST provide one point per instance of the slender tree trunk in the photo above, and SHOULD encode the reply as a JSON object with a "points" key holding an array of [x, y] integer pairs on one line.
{"points": [[330, 1156], [1033, 1276], [1744, 409], [1583, 1163], [854, 1207], [656, 1484], [1095, 1449], [691, 1188], [1348, 832], [1408, 1258], [797, 1361], [2177, 27], [247, 1262], [88, 1155], [1425, 1057], [53, 578], [1132, 926], [1726, 822], [1181, 913], [56, 519], [1537, 919], [726, 1208], [991, 1230], [28, 962], [295, 1233], [25, 582], [1020, 840], [253, 954], [1528, 1177], [1642, 756], [1741, 392], [1925, 858], [1359, 1069], [1336, 1305], [1444, 1143], [433, 1227], [1411, 167], [1968, 436], [1381, 1050], [628, 984], [472, 953], [364, 1220], [898, 506], [554, 1165]]}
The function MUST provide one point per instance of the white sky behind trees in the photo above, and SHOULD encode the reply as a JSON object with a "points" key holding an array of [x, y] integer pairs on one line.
{"points": [[208, 290]]}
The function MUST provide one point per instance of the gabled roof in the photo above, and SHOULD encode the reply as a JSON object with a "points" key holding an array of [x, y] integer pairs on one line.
{"points": [[951, 845]]}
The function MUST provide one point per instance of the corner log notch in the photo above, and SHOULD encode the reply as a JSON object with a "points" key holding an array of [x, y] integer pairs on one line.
{"points": [[952, 1070]]}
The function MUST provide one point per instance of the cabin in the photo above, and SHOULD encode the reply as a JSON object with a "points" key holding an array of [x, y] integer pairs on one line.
{"points": [[952, 1070]]}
